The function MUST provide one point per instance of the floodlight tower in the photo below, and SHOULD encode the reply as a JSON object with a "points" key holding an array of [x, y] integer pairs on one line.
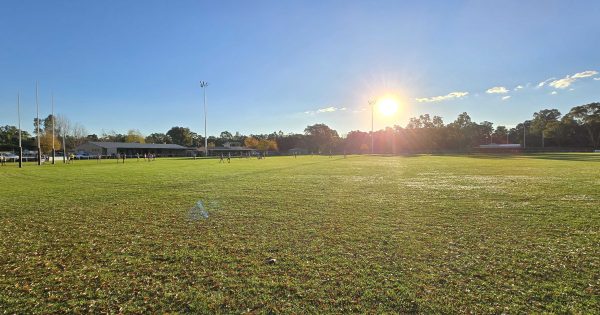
{"points": [[37, 125], [19, 123], [372, 104], [203, 85]]}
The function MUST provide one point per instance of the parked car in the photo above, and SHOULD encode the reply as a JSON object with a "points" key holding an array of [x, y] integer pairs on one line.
{"points": [[10, 156], [82, 155]]}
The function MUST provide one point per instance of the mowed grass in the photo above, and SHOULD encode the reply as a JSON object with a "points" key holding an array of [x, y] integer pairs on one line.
{"points": [[430, 234]]}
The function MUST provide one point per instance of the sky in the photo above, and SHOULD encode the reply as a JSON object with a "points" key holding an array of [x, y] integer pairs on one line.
{"points": [[284, 65]]}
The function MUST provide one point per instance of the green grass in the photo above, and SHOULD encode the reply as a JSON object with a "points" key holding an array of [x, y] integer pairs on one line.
{"points": [[430, 234]]}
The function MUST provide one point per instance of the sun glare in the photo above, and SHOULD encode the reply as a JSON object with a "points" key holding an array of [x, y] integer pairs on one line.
{"points": [[388, 107]]}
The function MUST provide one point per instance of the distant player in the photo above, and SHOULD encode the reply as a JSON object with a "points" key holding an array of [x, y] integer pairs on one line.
{"points": [[229, 157]]}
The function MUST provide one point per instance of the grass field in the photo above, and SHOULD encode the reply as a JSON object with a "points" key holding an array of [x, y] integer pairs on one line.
{"points": [[431, 234]]}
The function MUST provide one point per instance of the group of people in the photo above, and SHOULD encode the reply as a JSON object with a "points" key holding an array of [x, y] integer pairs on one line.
{"points": [[149, 157], [228, 158]]}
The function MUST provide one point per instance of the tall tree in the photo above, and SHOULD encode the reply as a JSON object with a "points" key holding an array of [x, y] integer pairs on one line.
{"points": [[134, 135], [158, 138], [588, 116], [541, 120], [181, 135], [321, 137]]}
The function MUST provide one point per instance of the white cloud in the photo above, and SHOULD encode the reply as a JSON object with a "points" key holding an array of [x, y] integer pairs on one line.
{"points": [[585, 74], [554, 93], [504, 98], [519, 87], [497, 90], [329, 109], [544, 82], [597, 79], [440, 98], [570, 79]]}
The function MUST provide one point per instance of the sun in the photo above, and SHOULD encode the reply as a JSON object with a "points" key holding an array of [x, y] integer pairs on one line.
{"points": [[388, 107]]}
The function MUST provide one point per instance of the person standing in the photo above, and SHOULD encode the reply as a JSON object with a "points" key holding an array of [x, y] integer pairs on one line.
{"points": [[229, 157]]}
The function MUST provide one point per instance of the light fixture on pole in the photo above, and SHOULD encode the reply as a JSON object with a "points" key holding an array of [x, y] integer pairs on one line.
{"points": [[37, 125], [19, 123], [203, 85]]}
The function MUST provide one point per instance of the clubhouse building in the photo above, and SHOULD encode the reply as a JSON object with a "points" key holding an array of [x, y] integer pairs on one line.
{"points": [[131, 149]]}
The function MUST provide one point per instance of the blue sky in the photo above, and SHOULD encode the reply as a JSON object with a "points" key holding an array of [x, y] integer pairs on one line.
{"points": [[282, 65]]}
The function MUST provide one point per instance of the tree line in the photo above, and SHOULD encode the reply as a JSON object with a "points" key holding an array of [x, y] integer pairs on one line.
{"points": [[580, 127]]}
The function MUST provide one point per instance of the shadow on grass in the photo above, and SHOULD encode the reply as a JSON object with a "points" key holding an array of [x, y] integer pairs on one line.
{"points": [[581, 157]]}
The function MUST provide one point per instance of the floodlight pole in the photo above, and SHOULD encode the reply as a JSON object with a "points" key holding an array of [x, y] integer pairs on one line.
{"points": [[53, 149], [20, 142], [37, 107], [372, 103], [203, 85]]}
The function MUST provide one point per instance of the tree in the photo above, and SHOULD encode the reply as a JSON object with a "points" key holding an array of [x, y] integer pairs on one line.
{"points": [[500, 135], [251, 142], [320, 137], [588, 116], [158, 138], [541, 119], [134, 135], [463, 131], [112, 136], [226, 136], [266, 145], [486, 130], [181, 135], [46, 142], [9, 138]]}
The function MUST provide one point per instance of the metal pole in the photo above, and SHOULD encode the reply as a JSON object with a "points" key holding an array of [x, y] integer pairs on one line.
{"points": [[20, 143], [53, 149], [37, 107], [372, 103], [542, 138], [204, 85]]}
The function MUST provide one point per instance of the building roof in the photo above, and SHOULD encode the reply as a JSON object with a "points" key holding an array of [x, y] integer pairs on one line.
{"points": [[201, 149], [500, 146], [135, 145]]}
